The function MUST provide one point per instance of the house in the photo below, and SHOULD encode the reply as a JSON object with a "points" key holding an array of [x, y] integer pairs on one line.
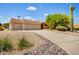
{"points": [[24, 24], [76, 26]]}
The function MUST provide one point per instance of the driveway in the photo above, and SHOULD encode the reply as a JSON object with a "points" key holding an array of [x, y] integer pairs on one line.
{"points": [[67, 41]]}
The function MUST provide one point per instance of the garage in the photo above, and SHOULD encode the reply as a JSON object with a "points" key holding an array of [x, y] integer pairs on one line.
{"points": [[24, 24]]}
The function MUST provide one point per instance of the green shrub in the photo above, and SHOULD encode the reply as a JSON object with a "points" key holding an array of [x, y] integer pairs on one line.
{"points": [[77, 29], [1, 45], [61, 28], [23, 43], [1, 28], [5, 44]]}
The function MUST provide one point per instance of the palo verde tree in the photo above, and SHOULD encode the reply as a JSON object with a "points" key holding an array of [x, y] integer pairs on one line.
{"points": [[71, 17], [54, 20]]}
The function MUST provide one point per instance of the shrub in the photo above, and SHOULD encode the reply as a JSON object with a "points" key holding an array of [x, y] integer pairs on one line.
{"points": [[5, 44], [1, 28], [1, 45], [23, 43], [61, 28], [6, 25], [77, 29]]}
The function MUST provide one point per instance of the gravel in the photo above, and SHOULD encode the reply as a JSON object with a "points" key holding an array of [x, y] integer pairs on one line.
{"points": [[48, 48]]}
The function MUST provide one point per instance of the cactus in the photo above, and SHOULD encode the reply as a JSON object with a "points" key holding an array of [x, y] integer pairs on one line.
{"points": [[71, 17]]}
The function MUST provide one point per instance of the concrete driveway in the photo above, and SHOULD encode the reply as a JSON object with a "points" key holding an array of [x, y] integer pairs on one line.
{"points": [[67, 41]]}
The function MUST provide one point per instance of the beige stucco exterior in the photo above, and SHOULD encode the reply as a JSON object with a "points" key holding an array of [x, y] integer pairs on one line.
{"points": [[23, 24]]}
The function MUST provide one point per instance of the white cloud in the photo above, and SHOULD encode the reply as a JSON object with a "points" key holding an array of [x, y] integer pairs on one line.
{"points": [[29, 18], [45, 14], [31, 8]]}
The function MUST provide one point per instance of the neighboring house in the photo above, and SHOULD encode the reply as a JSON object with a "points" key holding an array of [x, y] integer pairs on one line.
{"points": [[76, 26], [24, 24]]}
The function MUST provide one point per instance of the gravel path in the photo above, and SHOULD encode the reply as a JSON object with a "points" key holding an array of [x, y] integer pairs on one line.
{"points": [[48, 48]]}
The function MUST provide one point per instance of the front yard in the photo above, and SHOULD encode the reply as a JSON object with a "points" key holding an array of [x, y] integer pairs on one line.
{"points": [[38, 44]]}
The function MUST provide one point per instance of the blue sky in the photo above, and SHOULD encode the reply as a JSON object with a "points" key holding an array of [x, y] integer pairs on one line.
{"points": [[35, 11]]}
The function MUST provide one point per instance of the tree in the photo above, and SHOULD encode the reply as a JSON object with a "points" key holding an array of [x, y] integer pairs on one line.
{"points": [[71, 17], [6, 25], [52, 24], [54, 20], [48, 18]]}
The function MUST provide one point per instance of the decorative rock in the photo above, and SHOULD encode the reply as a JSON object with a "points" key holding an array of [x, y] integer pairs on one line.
{"points": [[48, 48]]}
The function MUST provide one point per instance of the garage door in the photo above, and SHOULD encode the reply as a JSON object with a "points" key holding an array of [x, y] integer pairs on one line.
{"points": [[17, 27], [32, 26]]}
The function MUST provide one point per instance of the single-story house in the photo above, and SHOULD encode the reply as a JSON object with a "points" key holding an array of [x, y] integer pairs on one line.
{"points": [[24, 24]]}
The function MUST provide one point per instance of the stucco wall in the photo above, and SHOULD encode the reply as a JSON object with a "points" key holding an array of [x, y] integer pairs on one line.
{"points": [[24, 26]]}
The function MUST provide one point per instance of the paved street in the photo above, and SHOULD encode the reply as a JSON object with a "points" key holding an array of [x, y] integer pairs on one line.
{"points": [[68, 42]]}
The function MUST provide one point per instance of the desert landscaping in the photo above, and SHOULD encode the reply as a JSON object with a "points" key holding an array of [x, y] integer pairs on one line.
{"points": [[39, 46], [15, 36]]}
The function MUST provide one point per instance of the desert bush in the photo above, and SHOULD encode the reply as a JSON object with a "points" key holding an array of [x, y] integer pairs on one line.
{"points": [[23, 43], [5, 44], [1, 45], [1, 28], [61, 28]]}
